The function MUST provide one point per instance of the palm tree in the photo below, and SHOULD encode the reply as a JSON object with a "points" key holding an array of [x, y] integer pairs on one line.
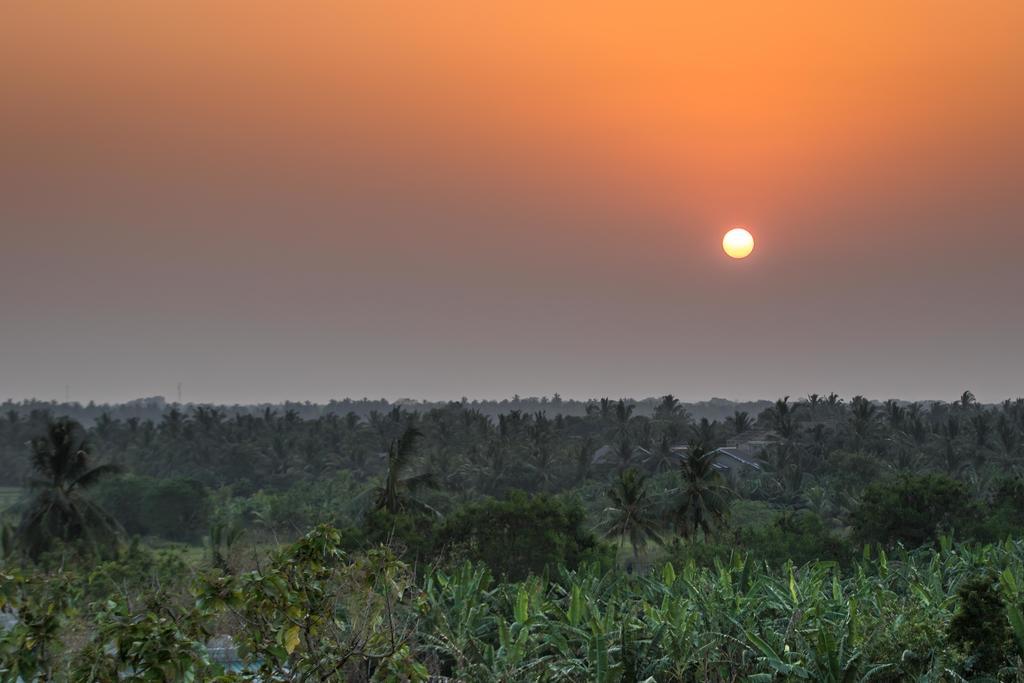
{"points": [[814, 402], [669, 408], [950, 440], [624, 455], [583, 456], [631, 514], [393, 495], [739, 422], [705, 433], [895, 414], [702, 494], [834, 403], [967, 400], [58, 510], [662, 459], [783, 419], [1008, 437], [623, 415], [863, 418]]}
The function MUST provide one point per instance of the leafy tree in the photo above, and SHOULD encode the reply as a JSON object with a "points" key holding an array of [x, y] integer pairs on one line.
{"points": [[705, 433], [631, 514], [520, 535], [863, 420], [783, 419], [980, 628], [702, 495], [669, 409], [913, 510], [394, 495], [739, 422], [59, 510], [174, 509]]}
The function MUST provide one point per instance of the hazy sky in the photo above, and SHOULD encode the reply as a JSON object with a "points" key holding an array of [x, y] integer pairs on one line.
{"points": [[316, 200]]}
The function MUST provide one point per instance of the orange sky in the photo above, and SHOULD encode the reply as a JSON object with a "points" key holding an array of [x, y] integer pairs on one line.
{"points": [[533, 188]]}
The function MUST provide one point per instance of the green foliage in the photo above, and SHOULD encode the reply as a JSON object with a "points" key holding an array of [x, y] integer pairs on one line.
{"points": [[173, 509], [702, 494], [768, 535], [520, 535], [32, 648], [58, 512], [980, 628], [313, 609], [412, 535], [736, 620], [631, 514], [313, 612], [913, 510], [508, 588], [153, 643], [336, 500]]}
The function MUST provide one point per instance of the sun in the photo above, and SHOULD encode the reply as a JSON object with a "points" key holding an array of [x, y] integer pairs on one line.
{"points": [[738, 243]]}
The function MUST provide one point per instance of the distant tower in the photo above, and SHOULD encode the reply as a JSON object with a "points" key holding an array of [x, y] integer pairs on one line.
{"points": [[67, 393], [179, 392]]}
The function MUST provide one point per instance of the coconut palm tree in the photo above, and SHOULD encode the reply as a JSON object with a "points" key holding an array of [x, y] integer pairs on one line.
{"points": [[394, 494], [739, 422], [705, 433], [952, 456], [783, 419], [58, 510], [623, 417], [1009, 439], [669, 408], [814, 402], [663, 459], [631, 514], [702, 495], [863, 420]]}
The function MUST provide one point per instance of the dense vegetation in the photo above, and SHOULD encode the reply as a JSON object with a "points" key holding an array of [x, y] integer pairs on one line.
{"points": [[608, 542]]}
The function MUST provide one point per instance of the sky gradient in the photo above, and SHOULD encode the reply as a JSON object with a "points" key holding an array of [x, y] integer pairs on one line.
{"points": [[432, 200]]}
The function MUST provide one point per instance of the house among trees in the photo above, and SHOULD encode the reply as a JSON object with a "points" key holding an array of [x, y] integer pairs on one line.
{"points": [[726, 459], [752, 443], [731, 459], [622, 454]]}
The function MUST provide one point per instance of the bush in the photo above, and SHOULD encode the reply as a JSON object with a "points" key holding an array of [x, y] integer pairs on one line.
{"points": [[412, 536], [1005, 517], [980, 629], [173, 509], [520, 535], [800, 536], [913, 510], [306, 505]]}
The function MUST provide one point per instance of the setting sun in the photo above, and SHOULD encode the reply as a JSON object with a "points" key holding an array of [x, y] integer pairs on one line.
{"points": [[738, 243]]}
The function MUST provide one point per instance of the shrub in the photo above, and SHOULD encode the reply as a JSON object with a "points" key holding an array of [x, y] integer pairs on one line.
{"points": [[980, 629], [913, 510], [520, 535], [173, 509]]}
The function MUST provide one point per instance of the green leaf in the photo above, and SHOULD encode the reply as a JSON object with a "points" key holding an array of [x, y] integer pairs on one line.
{"points": [[575, 606], [290, 639], [668, 574], [522, 612], [1017, 622]]}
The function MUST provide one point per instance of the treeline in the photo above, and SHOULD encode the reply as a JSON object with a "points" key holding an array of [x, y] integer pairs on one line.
{"points": [[155, 407], [526, 547], [829, 471], [469, 451]]}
